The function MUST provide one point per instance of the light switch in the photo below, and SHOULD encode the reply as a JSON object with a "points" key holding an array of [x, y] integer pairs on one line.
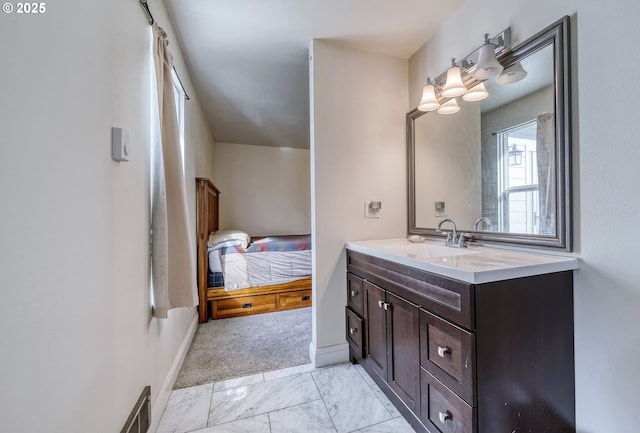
{"points": [[119, 144], [440, 209]]}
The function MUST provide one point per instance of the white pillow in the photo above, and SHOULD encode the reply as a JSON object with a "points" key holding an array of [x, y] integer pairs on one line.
{"points": [[229, 243], [229, 237]]}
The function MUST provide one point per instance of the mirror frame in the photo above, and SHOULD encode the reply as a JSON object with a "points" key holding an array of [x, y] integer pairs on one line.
{"points": [[557, 35]]}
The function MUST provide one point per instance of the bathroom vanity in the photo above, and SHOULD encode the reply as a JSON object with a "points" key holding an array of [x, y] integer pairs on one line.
{"points": [[475, 340]]}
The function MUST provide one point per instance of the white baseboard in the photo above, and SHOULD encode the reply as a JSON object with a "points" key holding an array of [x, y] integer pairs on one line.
{"points": [[172, 375], [328, 355]]}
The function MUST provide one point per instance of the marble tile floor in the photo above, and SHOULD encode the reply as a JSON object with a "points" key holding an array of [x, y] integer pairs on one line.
{"points": [[335, 399]]}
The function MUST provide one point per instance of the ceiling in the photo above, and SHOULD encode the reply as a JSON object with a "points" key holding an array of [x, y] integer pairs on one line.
{"points": [[249, 58]]}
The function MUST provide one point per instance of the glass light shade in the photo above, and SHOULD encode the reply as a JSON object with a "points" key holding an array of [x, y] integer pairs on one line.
{"points": [[449, 107], [453, 86], [488, 66], [476, 93], [429, 102], [512, 74]]}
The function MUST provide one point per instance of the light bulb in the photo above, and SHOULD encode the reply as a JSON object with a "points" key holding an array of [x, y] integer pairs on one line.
{"points": [[488, 66], [453, 86], [429, 102], [449, 107], [476, 93], [512, 74]]}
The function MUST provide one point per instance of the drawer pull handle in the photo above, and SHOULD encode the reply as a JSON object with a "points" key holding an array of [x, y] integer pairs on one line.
{"points": [[443, 352], [444, 416], [247, 305], [306, 297], [353, 330]]}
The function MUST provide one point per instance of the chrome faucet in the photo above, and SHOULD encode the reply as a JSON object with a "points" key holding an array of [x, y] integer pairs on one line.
{"points": [[454, 239], [479, 221]]}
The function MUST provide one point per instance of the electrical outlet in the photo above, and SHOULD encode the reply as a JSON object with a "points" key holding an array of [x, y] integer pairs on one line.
{"points": [[440, 209], [372, 209]]}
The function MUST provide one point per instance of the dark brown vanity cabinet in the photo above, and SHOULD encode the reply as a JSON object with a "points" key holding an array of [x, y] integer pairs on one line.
{"points": [[392, 327], [457, 357]]}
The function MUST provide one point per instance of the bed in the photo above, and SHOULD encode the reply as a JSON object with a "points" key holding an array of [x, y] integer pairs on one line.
{"points": [[248, 295]]}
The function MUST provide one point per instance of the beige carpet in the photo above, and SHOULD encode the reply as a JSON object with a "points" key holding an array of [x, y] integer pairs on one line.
{"points": [[240, 346]]}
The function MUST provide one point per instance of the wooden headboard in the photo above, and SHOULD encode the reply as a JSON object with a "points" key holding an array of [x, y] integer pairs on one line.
{"points": [[208, 221]]}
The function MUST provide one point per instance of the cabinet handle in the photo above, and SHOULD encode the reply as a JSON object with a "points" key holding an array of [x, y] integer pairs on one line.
{"points": [[386, 306], [305, 297], [247, 305], [353, 330], [353, 293], [380, 303], [443, 351], [444, 416]]}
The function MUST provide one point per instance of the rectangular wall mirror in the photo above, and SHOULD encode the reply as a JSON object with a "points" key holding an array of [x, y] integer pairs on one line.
{"points": [[500, 167]]}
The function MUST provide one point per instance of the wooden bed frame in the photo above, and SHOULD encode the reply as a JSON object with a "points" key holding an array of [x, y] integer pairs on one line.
{"points": [[214, 301]]}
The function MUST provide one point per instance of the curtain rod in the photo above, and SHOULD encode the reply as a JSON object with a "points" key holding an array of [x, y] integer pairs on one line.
{"points": [[147, 12]]}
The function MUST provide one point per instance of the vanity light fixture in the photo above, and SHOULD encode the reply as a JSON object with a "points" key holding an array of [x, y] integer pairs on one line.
{"points": [[488, 65], [466, 72], [476, 93], [449, 107], [429, 101], [512, 74], [453, 86]]}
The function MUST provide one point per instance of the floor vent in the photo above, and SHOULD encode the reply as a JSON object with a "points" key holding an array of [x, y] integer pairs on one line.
{"points": [[140, 418]]}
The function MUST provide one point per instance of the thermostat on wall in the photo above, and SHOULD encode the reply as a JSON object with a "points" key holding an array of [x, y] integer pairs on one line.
{"points": [[119, 144]]}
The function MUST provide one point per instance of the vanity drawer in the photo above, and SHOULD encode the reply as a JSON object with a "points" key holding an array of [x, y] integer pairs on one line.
{"points": [[243, 306], [355, 297], [297, 299], [443, 411], [446, 297], [448, 352], [355, 336]]}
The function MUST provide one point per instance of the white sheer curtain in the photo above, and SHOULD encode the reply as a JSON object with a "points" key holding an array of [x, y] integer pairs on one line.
{"points": [[172, 263], [545, 150]]}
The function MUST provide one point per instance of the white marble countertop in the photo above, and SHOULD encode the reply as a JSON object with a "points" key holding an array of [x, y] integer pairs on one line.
{"points": [[475, 264]]}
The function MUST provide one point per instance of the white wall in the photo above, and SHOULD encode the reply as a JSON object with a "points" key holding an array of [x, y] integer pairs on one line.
{"points": [[605, 178], [358, 106], [447, 166], [78, 342], [264, 190]]}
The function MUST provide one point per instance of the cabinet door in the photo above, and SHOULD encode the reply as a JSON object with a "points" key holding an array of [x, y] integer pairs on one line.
{"points": [[403, 343], [375, 323]]}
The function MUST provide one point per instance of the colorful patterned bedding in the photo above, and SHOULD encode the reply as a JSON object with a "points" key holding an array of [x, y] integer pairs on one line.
{"points": [[266, 261], [272, 243]]}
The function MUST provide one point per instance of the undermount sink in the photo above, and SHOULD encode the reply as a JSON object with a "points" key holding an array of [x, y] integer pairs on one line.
{"points": [[426, 250]]}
